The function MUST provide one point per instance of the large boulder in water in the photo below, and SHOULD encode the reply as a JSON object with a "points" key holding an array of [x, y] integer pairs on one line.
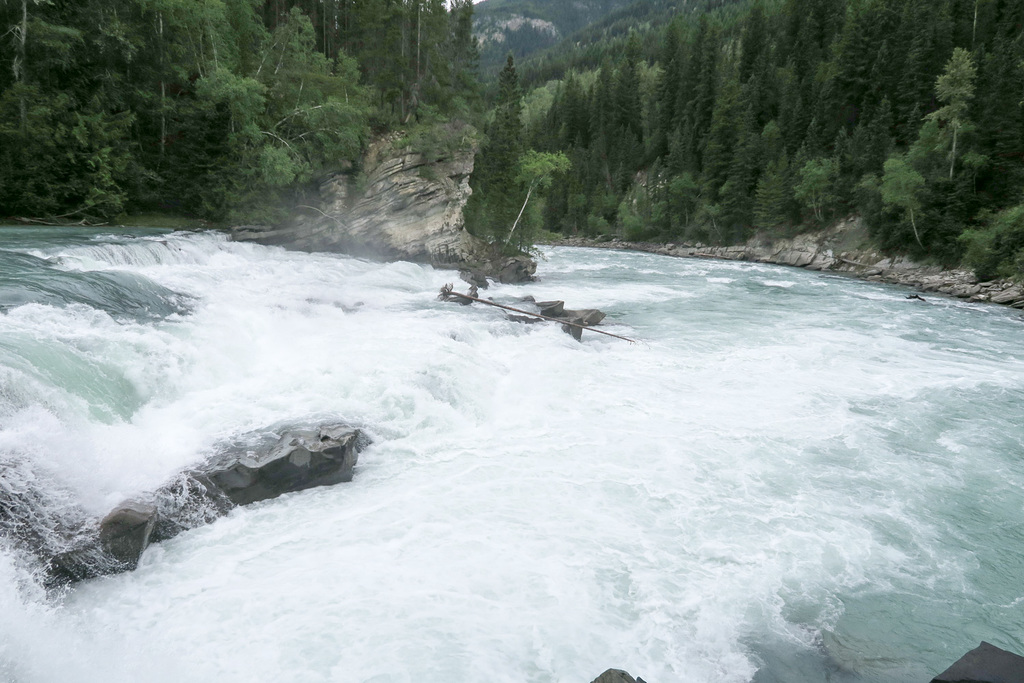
{"points": [[616, 676], [985, 664], [125, 531], [301, 459], [71, 546]]}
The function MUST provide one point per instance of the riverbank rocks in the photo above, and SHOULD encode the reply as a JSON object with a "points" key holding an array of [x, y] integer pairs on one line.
{"points": [[72, 546], [985, 664], [843, 247], [403, 203]]}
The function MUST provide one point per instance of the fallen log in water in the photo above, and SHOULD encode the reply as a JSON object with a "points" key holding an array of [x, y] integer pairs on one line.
{"points": [[447, 293]]}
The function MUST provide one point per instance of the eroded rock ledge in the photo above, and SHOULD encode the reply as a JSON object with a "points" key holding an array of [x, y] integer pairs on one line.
{"points": [[839, 249], [405, 205]]}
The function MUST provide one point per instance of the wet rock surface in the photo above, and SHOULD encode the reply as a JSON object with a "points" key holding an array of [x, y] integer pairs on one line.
{"points": [[69, 545], [616, 676], [985, 664]]}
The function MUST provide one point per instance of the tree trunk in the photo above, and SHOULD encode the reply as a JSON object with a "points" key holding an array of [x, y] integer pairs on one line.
{"points": [[974, 28], [914, 226], [19, 64], [163, 88], [952, 156], [528, 192]]}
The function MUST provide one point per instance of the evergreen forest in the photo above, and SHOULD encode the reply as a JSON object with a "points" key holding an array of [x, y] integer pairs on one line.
{"points": [[225, 110], [775, 116], [700, 121]]}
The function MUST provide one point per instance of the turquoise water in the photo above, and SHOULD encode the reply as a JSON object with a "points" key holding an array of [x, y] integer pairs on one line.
{"points": [[793, 477]]}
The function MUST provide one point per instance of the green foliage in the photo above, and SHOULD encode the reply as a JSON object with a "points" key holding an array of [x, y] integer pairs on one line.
{"points": [[537, 169], [901, 188], [773, 207], [955, 87], [997, 250], [226, 109], [769, 114], [814, 189], [494, 204], [59, 160]]}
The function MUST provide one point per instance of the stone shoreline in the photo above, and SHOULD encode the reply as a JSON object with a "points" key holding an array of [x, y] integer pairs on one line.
{"points": [[838, 249]]}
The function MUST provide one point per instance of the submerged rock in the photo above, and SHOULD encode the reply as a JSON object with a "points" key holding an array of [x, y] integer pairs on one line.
{"points": [[579, 319], [551, 308], [586, 316]]}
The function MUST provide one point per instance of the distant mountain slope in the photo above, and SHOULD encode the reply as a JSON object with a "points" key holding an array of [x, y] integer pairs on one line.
{"points": [[523, 27], [548, 36], [607, 36]]}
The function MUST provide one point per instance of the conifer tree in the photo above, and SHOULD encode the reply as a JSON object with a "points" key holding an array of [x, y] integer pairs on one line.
{"points": [[493, 206]]}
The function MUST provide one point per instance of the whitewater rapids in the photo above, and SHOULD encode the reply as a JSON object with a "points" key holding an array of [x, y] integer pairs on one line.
{"points": [[794, 477]]}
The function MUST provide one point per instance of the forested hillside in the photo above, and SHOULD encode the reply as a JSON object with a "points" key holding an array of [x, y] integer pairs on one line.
{"points": [[780, 116], [223, 109], [586, 48], [522, 27]]}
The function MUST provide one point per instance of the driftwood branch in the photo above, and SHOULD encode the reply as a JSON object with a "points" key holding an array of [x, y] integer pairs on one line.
{"points": [[322, 213], [447, 293]]}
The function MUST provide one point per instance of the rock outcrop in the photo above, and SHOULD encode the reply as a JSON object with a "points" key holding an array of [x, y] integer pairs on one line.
{"points": [[842, 248], [616, 676], [405, 205], [302, 459], [71, 546], [985, 664]]}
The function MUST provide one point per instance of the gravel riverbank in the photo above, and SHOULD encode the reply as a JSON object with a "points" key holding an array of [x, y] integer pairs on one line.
{"points": [[841, 248]]}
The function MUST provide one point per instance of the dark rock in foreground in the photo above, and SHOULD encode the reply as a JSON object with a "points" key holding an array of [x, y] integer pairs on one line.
{"points": [[616, 676], [985, 664], [72, 546], [300, 460], [125, 531]]}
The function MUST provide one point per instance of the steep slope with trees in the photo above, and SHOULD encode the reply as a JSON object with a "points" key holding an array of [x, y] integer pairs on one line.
{"points": [[225, 110], [781, 116]]}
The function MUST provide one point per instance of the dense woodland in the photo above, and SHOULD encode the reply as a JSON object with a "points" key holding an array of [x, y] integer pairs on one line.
{"points": [[656, 123], [220, 109], [781, 116]]}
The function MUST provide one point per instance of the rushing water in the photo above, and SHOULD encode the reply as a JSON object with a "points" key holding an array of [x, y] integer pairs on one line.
{"points": [[794, 477]]}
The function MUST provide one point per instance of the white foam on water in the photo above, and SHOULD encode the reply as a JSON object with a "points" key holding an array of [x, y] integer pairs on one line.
{"points": [[766, 468]]}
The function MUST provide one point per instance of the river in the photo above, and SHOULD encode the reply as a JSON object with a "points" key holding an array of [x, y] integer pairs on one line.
{"points": [[792, 477]]}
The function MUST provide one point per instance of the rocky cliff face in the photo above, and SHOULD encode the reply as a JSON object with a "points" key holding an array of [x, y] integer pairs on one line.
{"points": [[405, 205]]}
